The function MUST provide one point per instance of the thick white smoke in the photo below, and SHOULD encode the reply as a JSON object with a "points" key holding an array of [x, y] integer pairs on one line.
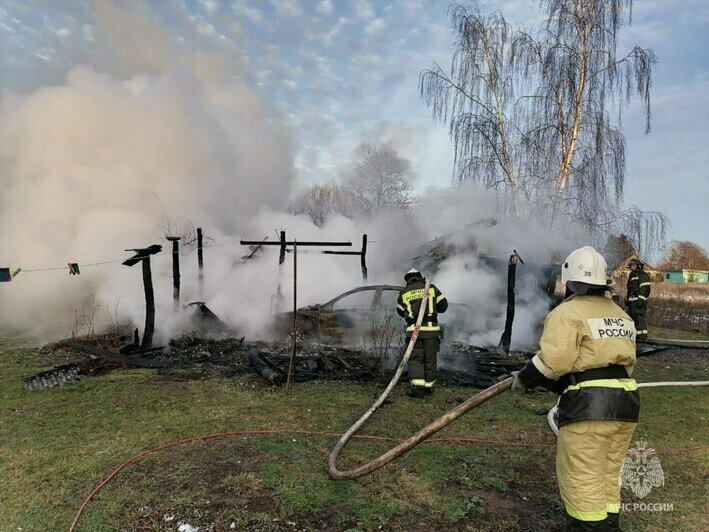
{"points": [[148, 135], [98, 163]]}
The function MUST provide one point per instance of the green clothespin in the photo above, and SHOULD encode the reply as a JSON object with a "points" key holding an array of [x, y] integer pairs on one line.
{"points": [[73, 268], [14, 274]]}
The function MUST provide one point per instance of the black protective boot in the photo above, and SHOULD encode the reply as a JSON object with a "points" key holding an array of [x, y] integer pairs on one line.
{"points": [[416, 392], [613, 521], [576, 525]]}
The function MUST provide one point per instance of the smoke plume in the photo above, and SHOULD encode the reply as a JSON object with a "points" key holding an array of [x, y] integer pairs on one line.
{"points": [[146, 136]]}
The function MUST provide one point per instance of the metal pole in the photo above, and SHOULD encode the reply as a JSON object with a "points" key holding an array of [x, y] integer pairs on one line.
{"points": [[291, 365], [175, 271], [200, 263]]}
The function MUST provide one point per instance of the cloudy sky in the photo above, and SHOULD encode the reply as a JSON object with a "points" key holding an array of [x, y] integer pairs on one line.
{"points": [[340, 72]]}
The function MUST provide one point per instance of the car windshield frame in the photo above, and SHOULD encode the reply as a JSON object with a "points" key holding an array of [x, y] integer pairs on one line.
{"points": [[377, 289], [330, 304]]}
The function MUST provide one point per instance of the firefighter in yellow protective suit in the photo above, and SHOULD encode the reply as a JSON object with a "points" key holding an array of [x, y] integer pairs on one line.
{"points": [[424, 356], [587, 355]]}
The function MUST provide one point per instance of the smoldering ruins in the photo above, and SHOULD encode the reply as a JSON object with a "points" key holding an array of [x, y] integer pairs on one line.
{"points": [[142, 150], [353, 336]]}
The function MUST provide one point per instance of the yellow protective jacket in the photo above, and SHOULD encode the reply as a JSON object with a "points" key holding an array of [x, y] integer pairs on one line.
{"points": [[588, 348]]}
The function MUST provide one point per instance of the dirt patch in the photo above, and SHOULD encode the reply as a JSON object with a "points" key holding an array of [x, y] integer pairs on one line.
{"points": [[683, 355], [209, 485], [217, 485]]}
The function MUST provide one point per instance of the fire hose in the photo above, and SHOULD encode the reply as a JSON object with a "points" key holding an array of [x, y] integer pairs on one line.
{"points": [[552, 414], [421, 435]]}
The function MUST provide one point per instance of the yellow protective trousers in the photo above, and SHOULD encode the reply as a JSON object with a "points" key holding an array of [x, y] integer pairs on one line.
{"points": [[589, 458]]}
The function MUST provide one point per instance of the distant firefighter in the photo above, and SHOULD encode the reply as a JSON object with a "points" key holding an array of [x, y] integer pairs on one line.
{"points": [[638, 292], [423, 361]]}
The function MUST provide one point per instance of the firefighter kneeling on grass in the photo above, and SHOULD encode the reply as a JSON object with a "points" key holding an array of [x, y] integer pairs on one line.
{"points": [[423, 360], [587, 354]]}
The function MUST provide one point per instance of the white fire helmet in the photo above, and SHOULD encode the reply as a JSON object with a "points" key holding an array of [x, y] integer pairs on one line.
{"points": [[411, 274], [585, 265]]}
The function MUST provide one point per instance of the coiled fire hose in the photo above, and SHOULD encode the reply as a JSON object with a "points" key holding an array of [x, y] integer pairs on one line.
{"points": [[421, 435], [552, 414]]}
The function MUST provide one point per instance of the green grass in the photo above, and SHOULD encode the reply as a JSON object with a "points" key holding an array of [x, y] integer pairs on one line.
{"points": [[56, 444], [660, 333]]}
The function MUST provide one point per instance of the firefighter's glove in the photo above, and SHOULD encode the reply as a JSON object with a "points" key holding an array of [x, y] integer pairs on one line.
{"points": [[517, 385]]}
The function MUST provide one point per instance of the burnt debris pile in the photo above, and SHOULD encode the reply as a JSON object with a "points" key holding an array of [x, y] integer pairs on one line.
{"points": [[228, 357]]}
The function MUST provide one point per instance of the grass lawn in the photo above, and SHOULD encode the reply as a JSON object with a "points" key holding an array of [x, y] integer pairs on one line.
{"points": [[660, 333], [56, 444]]}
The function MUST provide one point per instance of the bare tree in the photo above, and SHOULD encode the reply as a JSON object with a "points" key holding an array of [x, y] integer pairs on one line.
{"points": [[381, 179], [538, 115], [321, 201], [475, 99], [379, 339]]}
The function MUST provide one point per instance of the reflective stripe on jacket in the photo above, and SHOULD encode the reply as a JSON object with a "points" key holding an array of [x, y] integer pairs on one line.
{"points": [[638, 287], [409, 303]]}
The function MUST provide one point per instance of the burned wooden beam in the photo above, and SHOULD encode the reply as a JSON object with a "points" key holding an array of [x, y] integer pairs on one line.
{"points": [[143, 255], [129, 360], [264, 369], [291, 243], [282, 243], [363, 257], [506, 339], [362, 254], [149, 305], [131, 349], [253, 250], [175, 270], [200, 262]]}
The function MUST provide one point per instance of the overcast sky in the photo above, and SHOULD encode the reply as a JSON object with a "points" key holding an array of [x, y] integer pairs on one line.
{"points": [[340, 72]]}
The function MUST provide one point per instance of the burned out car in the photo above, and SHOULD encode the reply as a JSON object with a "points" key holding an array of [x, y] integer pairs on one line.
{"points": [[361, 316]]}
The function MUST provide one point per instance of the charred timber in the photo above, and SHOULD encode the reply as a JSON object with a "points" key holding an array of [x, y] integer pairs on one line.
{"points": [[263, 368], [282, 243], [175, 270], [362, 254], [200, 260], [143, 255], [128, 360], [506, 339], [291, 243], [149, 305]]}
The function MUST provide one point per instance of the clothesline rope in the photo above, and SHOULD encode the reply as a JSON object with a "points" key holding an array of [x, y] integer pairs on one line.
{"points": [[102, 263]]}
